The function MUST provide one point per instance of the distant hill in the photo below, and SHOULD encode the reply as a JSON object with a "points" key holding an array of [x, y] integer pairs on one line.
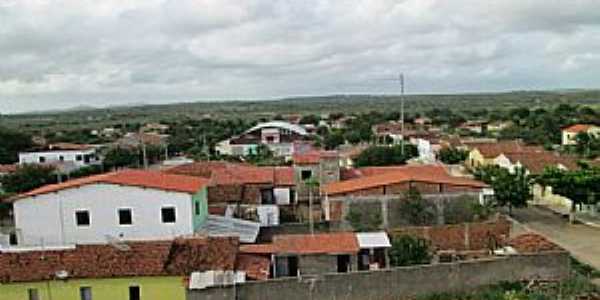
{"points": [[307, 105]]}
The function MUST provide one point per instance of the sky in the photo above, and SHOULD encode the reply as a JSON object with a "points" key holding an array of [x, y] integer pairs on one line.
{"points": [[60, 54]]}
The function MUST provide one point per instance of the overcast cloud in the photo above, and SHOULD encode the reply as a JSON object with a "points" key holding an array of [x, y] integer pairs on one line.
{"points": [[57, 54]]}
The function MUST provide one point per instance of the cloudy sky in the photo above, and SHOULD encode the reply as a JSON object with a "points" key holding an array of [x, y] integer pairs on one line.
{"points": [[58, 54]]}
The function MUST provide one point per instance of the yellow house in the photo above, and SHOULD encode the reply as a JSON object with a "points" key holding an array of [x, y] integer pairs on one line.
{"points": [[153, 270], [487, 154]]}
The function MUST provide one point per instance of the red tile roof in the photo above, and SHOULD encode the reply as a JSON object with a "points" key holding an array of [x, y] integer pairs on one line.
{"points": [[313, 157], [382, 176], [225, 173], [179, 257], [493, 150], [576, 128], [257, 267], [8, 168], [536, 162], [321, 243], [141, 178], [533, 243]]}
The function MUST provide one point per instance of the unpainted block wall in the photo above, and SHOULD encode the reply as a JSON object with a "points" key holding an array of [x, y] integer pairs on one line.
{"points": [[399, 283]]}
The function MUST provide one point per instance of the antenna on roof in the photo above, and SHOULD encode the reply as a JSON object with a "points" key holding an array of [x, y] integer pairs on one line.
{"points": [[116, 243]]}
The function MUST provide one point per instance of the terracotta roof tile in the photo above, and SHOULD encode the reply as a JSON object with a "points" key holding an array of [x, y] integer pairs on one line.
{"points": [[142, 178], [313, 157], [256, 267], [536, 162], [322, 243], [8, 168], [493, 150], [533, 243], [156, 258], [382, 176], [576, 128], [225, 173]]}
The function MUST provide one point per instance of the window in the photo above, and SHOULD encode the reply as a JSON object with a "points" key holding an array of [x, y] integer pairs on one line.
{"points": [[33, 294], [168, 215], [61, 158], [82, 218], [134, 293], [306, 174], [85, 293], [197, 208], [125, 216], [79, 157], [42, 159]]}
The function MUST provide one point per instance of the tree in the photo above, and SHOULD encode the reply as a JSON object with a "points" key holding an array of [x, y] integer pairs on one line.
{"points": [[121, 157], [11, 143], [407, 250], [363, 220], [580, 186], [386, 155], [510, 189], [333, 140], [415, 210], [27, 178], [310, 119], [452, 155]]}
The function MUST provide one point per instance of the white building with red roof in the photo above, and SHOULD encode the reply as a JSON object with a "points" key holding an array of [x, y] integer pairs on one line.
{"points": [[124, 205], [569, 133]]}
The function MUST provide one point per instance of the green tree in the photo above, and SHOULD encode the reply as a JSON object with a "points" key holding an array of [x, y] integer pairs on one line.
{"points": [[11, 143], [27, 178], [386, 155], [364, 220], [407, 251], [510, 189], [121, 157], [333, 140], [452, 155], [415, 210]]}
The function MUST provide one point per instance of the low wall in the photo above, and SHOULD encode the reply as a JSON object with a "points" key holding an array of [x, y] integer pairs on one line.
{"points": [[466, 236], [398, 283]]}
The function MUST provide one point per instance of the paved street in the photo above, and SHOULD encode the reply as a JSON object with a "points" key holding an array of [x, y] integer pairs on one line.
{"points": [[582, 241]]}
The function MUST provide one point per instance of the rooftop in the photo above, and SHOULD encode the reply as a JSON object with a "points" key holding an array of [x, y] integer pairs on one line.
{"points": [[532, 243], [140, 178], [321, 243], [576, 128], [493, 150], [536, 162], [313, 157], [179, 257], [382, 176], [226, 173]]}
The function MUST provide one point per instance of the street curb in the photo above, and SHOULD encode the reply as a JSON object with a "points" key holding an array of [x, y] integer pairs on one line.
{"points": [[577, 220]]}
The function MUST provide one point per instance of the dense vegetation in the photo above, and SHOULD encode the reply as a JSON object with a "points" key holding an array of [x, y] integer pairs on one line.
{"points": [[386, 156], [11, 143]]}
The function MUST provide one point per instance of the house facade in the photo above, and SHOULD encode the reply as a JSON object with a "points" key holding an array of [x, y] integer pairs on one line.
{"points": [[153, 270], [569, 133], [278, 136], [66, 157], [125, 205]]}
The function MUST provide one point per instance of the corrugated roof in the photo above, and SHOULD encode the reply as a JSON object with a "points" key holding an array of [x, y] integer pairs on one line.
{"points": [[247, 231], [141, 178], [394, 175], [368, 240], [279, 124]]}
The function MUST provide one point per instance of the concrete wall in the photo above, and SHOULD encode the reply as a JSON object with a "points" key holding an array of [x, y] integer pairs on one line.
{"points": [[398, 283], [50, 218], [54, 156]]}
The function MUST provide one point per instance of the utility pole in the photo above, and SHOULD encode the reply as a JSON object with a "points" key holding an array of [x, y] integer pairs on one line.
{"points": [[402, 110]]}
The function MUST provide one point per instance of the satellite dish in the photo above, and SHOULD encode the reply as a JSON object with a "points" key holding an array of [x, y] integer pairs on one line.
{"points": [[116, 243]]}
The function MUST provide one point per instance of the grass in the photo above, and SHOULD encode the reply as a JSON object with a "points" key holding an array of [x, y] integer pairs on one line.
{"points": [[584, 269], [573, 288]]}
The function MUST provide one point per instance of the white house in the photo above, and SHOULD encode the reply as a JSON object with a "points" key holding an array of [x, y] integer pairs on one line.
{"points": [[124, 205], [66, 157], [278, 136], [569, 133]]}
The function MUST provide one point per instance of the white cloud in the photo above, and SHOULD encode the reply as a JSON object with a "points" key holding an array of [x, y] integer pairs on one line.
{"points": [[67, 53]]}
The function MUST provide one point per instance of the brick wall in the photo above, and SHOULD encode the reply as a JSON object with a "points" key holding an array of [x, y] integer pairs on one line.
{"points": [[468, 236], [247, 194]]}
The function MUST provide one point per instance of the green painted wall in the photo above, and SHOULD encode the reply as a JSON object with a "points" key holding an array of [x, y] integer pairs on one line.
{"points": [[151, 288], [201, 199]]}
